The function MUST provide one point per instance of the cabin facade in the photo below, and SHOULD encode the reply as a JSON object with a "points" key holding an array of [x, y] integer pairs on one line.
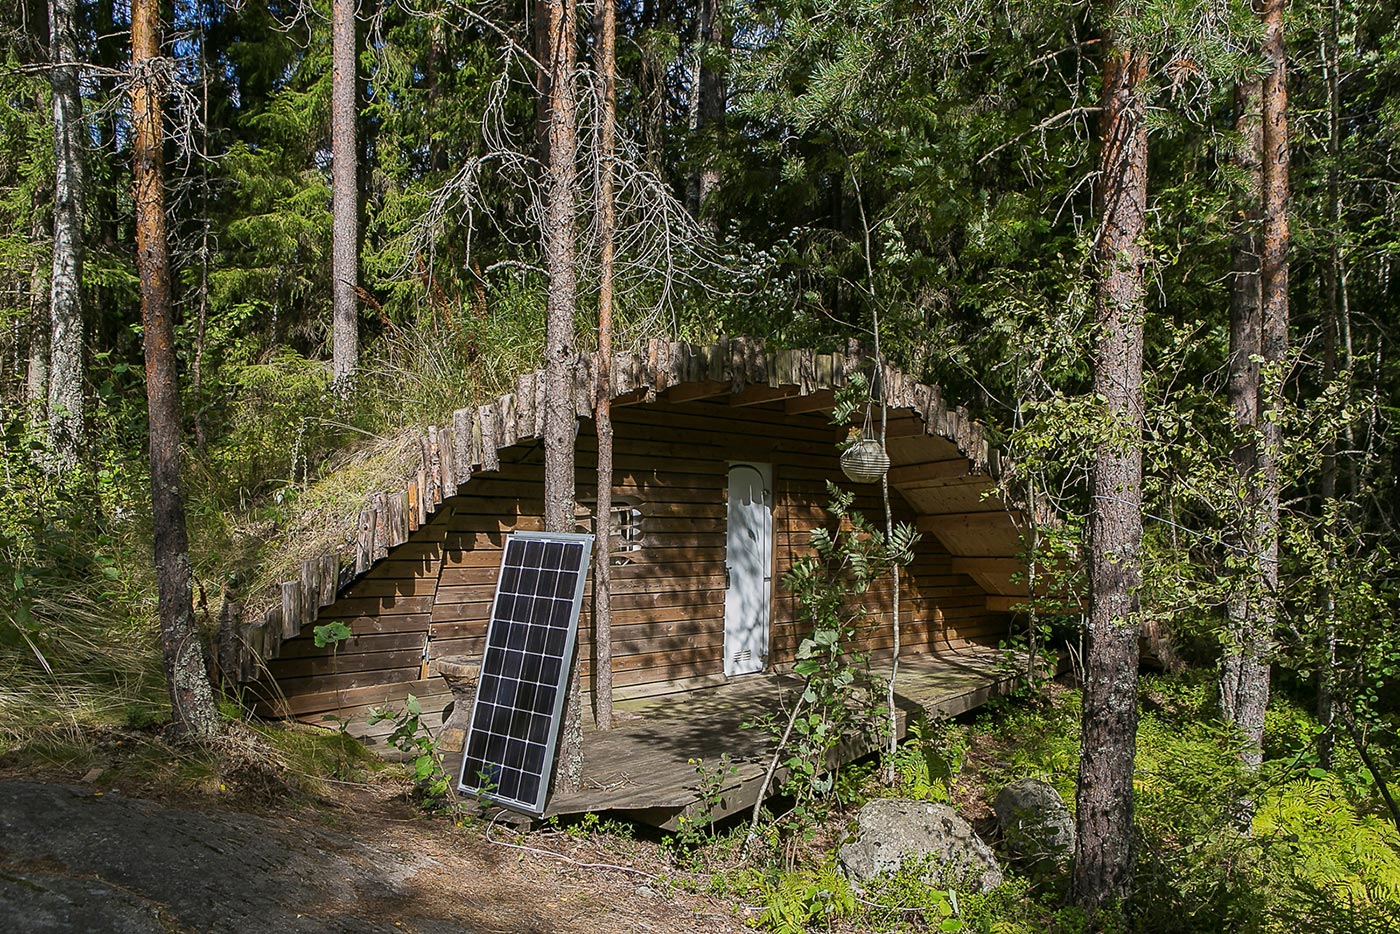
{"points": [[722, 458]]}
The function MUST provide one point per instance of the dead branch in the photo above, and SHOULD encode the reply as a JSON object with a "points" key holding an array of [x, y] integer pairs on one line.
{"points": [[1045, 124]]}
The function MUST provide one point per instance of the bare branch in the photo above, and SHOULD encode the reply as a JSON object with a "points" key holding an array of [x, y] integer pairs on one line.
{"points": [[1045, 124]]}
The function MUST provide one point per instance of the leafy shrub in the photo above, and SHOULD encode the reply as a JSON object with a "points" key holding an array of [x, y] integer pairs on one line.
{"points": [[793, 901], [930, 760]]}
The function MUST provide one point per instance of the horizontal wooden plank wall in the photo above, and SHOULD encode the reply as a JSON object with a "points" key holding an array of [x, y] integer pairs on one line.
{"points": [[388, 611], [430, 598]]}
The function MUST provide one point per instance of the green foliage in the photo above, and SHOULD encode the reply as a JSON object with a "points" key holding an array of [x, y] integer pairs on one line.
{"points": [[332, 633], [904, 899], [1317, 840], [795, 901], [279, 426], [75, 627], [837, 699], [930, 760], [710, 784], [412, 737], [1314, 860], [592, 824]]}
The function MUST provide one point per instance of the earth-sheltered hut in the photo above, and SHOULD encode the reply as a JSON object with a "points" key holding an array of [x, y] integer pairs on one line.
{"points": [[708, 439]]}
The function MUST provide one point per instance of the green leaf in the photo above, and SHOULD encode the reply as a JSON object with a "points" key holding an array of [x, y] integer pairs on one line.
{"points": [[422, 768], [331, 633]]}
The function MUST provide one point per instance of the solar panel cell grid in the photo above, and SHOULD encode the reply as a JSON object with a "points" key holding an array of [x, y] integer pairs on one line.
{"points": [[534, 619]]}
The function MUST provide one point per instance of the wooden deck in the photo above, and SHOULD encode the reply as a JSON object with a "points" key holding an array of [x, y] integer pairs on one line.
{"points": [[642, 769]]}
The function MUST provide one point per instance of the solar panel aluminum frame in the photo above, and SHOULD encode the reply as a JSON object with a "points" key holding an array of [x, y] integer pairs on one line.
{"points": [[537, 805]]}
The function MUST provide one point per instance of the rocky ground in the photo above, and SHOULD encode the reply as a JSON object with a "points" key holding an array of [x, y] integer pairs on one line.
{"points": [[74, 858]]}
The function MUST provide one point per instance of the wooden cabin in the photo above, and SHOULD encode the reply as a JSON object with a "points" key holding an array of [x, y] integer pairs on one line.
{"points": [[722, 456]]}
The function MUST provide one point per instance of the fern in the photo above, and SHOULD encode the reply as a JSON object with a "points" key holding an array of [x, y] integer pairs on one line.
{"points": [[1318, 839]]}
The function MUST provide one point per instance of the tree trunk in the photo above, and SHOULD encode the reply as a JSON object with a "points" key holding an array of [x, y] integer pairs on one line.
{"points": [[1337, 358], [602, 548], [713, 92], [1245, 698], [561, 194], [345, 196], [1239, 665], [202, 321], [186, 668], [36, 395], [66, 298], [1104, 858], [1273, 343], [543, 78], [651, 88]]}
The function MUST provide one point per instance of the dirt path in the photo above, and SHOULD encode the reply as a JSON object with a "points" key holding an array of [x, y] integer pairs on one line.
{"points": [[76, 860]]}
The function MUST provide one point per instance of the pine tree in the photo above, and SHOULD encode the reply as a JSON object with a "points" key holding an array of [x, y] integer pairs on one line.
{"points": [[345, 195], [186, 670], [711, 90], [602, 546], [1240, 662], [560, 235], [1104, 858]]}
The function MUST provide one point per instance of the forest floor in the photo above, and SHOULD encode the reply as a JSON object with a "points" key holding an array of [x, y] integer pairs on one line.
{"points": [[78, 857]]}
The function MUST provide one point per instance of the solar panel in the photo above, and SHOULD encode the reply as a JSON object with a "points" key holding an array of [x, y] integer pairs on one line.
{"points": [[525, 669]]}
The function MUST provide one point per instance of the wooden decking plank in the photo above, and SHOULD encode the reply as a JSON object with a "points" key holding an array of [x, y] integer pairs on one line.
{"points": [[644, 765]]}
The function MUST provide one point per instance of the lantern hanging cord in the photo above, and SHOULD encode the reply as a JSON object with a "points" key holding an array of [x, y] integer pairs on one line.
{"points": [[893, 748]]}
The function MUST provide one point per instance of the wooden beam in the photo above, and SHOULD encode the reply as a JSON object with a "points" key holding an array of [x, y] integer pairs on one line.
{"points": [[930, 472], [999, 603], [758, 395], [903, 427], [933, 523], [971, 565], [691, 392], [634, 397], [821, 401]]}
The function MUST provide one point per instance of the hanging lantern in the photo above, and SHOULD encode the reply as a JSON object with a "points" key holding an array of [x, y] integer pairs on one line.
{"points": [[865, 461]]}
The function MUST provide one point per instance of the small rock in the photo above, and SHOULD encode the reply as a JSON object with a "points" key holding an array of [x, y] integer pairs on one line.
{"points": [[892, 831], [1035, 826]]}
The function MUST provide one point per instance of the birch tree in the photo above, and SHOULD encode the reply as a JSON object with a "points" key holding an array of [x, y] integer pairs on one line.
{"points": [[65, 350]]}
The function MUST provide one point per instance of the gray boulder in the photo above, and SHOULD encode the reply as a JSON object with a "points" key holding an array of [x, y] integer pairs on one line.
{"points": [[891, 832], [1036, 827]]}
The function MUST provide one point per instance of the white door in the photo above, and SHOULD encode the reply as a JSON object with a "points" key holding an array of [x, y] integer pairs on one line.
{"points": [[748, 564]]}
